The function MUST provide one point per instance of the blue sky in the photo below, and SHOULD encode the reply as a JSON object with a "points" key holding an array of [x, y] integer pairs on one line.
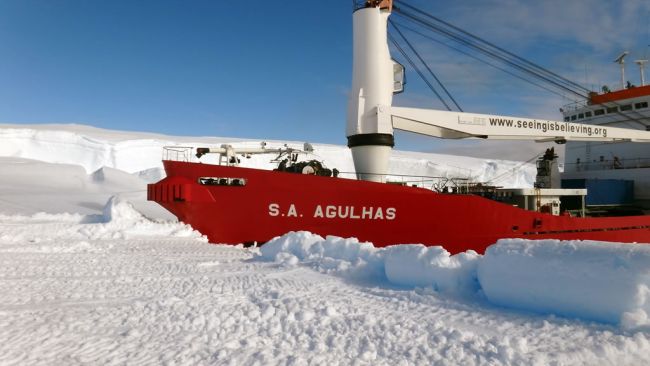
{"points": [[280, 70]]}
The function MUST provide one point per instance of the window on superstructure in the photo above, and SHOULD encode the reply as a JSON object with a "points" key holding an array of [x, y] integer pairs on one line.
{"points": [[641, 105], [612, 109], [599, 112], [627, 107], [581, 115], [587, 114], [573, 118], [566, 119]]}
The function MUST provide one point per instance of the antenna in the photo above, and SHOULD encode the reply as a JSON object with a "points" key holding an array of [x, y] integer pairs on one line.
{"points": [[621, 61], [641, 64]]}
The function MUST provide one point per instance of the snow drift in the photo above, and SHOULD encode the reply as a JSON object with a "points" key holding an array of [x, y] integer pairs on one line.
{"points": [[604, 282], [141, 153], [403, 265], [162, 298]]}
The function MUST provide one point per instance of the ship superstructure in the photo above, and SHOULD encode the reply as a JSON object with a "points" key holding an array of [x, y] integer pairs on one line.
{"points": [[627, 107]]}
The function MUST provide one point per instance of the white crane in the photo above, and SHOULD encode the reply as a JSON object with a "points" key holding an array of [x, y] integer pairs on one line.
{"points": [[372, 118]]}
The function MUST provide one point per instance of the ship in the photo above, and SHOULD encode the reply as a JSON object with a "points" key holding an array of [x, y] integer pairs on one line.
{"points": [[621, 166], [232, 204]]}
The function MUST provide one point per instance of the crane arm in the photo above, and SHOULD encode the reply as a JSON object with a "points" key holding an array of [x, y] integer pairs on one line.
{"points": [[457, 125]]}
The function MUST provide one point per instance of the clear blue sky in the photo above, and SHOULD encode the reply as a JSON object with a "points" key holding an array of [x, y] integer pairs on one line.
{"points": [[278, 70]]}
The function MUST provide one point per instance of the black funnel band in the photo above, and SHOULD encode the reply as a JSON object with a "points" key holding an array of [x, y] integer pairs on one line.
{"points": [[371, 139]]}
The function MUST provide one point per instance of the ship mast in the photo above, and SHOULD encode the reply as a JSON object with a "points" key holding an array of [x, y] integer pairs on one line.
{"points": [[369, 138], [641, 64], [621, 61]]}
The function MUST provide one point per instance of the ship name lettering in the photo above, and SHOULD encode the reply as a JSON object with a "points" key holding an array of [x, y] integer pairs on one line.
{"points": [[292, 211], [352, 212], [274, 210]]}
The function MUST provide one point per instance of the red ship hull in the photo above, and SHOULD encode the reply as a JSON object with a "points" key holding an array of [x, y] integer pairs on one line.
{"points": [[272, 203]]}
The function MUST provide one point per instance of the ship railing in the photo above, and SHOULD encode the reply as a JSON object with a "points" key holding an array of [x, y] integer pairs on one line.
{"points": [[435, 183], [178, 153], [360, 4], [608, 164], [574, 106]]}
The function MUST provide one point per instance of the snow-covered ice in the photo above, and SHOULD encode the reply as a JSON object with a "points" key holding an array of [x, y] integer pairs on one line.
{"points": [[140, 153], [110, 291], [405, 265], [606, 282], [91, 273]]}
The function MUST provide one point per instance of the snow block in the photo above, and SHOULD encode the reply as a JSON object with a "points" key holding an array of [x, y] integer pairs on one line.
{"points": [[118, 209], [346, 257], [409, 265], [605, 282], [420, 266]]}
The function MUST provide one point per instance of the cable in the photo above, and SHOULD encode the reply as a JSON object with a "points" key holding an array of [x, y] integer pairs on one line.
{"points": [[516, 168], [478, 44], [408, 59], [425, 64], [528, 65], [488, 52], [481, 60]]}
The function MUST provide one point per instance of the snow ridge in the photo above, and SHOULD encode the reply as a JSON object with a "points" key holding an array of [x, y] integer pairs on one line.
{"points": [[604, 282], [141, 153], [404, 265]]}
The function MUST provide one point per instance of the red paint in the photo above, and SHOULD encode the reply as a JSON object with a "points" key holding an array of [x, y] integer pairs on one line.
{"points": [[614, 96], [238, 214]]}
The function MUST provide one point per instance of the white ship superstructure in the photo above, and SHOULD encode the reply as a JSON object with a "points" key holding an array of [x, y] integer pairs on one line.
{"points": [[628, 107]]}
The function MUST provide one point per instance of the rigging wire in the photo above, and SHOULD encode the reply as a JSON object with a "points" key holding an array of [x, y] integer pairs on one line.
{"points": [[490, 53], [480, 60], [489, 48], [417, 70], [425, 64], [508, 173], [497, 53]]}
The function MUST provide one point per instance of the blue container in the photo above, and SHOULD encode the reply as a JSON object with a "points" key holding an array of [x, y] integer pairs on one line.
{"points": [[604, 192]]}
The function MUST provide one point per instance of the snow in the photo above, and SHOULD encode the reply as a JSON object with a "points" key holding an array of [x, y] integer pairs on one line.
{"points": [[92, 273], [418, 266], [599, 281], [141, 153], [604, 282], [404, 265]]}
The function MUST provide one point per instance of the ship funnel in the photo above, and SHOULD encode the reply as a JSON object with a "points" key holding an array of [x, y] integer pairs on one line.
{"points": [[374, 77]]}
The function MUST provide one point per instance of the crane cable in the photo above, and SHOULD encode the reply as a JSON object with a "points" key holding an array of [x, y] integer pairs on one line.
{"points": [[480, 60], [425, 64], [472, 41], [417, 70], [495, 52], [506, 174]]}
